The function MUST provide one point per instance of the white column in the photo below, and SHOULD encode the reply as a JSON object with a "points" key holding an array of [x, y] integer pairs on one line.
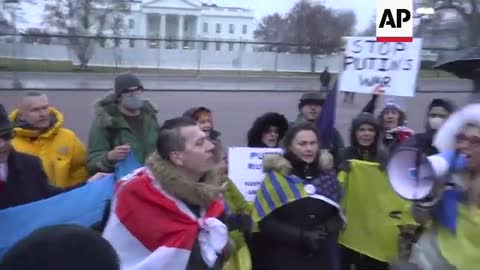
{"points": [[180, 30], [197, 31], [163, 29]]}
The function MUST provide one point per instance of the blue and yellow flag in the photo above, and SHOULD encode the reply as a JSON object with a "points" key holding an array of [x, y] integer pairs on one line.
{"points": [[278, 190], [462, 247], [374, 212], [83, 206]]}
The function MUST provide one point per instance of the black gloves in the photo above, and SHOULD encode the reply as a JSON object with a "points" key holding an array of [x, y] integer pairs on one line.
{"points": [[312, 239]]}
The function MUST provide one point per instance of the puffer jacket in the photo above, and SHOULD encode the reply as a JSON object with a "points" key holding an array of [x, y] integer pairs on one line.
{"points": [[110, 129], [62, 153]]}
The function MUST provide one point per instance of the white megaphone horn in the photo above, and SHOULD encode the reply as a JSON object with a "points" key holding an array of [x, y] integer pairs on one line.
{"points": [[413, 175]]}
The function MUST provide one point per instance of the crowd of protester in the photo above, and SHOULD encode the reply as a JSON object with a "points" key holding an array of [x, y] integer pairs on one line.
{"points": [[158, 214]]}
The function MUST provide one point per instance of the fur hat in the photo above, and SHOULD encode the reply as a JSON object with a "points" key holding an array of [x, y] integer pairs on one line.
{"points": [[446, 135]]}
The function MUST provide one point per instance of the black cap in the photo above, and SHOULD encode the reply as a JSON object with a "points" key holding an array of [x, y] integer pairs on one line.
{"points": [[5, 124], [125, 81]]}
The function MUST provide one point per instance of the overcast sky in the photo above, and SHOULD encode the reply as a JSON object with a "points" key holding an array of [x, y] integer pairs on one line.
{"points": [[364, 9]]}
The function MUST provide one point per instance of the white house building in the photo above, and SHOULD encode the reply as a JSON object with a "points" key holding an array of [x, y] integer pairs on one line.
{"points": [[218, 28]]}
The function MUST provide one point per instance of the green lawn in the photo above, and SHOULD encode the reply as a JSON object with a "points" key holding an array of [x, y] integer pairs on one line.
{"points": [[66, 66]]}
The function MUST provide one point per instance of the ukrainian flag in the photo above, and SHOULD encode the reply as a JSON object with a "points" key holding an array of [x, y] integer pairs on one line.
{"points": [[278, 190], [374, 212]]}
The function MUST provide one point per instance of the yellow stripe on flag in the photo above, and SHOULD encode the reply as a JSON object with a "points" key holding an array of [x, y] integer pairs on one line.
{"points": [[374, 212]]}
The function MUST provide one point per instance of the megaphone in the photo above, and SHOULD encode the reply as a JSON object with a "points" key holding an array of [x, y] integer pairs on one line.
{"points": [[413, 175]]}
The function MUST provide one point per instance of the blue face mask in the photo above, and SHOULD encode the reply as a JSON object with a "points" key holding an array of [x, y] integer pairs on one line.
{"points": [[134, 102]]}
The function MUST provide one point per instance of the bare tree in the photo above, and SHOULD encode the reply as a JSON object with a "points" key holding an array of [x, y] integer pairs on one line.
{"points": [[318, 29], [370, 30], [272, 29], [80, 18], [469, 11], [36, 35], [315, 28]]}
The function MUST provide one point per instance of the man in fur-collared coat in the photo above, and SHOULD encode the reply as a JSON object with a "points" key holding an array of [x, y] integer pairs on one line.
{"points": [[167, 215]]}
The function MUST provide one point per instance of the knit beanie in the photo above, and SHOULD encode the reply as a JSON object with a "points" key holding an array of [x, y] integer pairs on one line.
{"points": [[393, 104], [125, 81]]}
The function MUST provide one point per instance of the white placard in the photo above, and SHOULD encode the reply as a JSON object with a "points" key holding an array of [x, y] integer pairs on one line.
{"points": [[392, 65], [245, 168]]}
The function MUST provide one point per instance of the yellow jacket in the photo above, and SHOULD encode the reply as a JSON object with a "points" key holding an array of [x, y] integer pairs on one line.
{"points": [[63, 155]]}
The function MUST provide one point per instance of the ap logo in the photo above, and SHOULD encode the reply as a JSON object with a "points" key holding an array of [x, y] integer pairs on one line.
{"points": [[394, 21]]}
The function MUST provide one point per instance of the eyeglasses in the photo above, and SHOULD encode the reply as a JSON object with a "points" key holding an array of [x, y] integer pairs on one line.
{"points": [[473, 141], [132, 92]]}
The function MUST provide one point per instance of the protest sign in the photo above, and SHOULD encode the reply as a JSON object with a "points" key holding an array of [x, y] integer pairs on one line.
{"points": [[245, 168], [392, 66]]}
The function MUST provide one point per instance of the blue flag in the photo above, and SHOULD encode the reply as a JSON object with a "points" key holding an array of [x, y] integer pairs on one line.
{"points": [[82, 206], [326, 121], [126, 166]]}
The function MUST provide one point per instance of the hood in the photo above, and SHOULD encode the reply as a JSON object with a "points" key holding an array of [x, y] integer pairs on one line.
{"points": [[363, 118], [280, 164], [214, 134], [263, 122], [108, 115], [446, 135], [21, 128], [193, 192], [438, 102]]}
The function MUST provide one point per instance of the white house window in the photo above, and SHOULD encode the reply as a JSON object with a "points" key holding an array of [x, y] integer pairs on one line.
{"points": [[219, 28], [244, 29], [218, 46], [205, 45], [231, 29], [131, 23], [230, 46], [131, 42], [205, 27]]}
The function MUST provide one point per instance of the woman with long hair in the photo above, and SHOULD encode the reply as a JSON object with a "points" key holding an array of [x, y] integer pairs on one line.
{"points": [[296, 213]]}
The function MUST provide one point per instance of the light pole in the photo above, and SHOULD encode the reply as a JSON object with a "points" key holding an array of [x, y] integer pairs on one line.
{"points": [[12, 5]]}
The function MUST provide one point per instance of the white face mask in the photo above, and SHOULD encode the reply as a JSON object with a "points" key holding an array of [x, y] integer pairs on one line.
{"points": [[435, 122]]}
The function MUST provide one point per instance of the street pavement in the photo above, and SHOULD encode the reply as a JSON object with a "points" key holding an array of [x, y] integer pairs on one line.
{"points": [[102, 81], [234, 112]]}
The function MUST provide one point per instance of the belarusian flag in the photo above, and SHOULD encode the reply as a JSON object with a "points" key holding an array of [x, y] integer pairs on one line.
{"points": [[150, 229]]}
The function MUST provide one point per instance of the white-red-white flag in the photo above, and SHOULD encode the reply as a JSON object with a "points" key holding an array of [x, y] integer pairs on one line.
{"points": [[152, 230]]}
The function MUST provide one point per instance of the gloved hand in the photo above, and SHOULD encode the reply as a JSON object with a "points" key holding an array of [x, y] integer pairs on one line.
{"points": [[312, 238], [345, 166]]}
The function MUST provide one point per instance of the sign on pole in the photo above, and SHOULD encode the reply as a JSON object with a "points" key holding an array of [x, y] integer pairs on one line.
{"points": [[245, 168], [392, 66]]}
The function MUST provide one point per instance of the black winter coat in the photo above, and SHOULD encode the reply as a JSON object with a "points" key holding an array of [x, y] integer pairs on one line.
{"points": [[280, 244], [26, 181]]}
